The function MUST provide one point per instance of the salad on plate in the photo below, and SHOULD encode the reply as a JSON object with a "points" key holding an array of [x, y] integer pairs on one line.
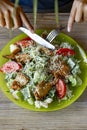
{"points": [[39, 75]]}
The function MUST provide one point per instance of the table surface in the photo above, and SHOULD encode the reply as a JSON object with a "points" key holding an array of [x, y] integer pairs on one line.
{"points": [[74, 117]]}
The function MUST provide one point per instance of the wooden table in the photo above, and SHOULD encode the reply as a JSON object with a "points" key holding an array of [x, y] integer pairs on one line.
{"points": [[73, 117]]}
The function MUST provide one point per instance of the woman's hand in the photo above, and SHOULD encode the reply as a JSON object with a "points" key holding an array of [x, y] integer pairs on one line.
{"points": [[11, 17], [78, 13]]}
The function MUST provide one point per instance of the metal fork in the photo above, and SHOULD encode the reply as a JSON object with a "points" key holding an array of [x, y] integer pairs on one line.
{"points": [[50, 37]]}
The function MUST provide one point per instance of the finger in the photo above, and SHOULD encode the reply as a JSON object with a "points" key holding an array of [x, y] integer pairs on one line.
{"points": [[2, 20], [9, 5], [71, 18], [7, 18], [25, 21], [16, 19], [85, 13], [79, 12]]}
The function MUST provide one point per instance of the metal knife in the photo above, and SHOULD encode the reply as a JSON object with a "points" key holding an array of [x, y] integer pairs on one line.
{"points": [[37, 38]]}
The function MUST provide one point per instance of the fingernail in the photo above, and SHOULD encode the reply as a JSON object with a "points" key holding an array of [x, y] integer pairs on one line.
{"points": [[32, 31], [69, 29]]}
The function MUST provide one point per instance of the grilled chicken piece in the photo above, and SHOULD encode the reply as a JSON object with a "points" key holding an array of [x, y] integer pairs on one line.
{"points": [[42, 90], [22, 79], [15, 85], [16, 51], [10, 56], [46, 51], [22, 58], [62, 72]]}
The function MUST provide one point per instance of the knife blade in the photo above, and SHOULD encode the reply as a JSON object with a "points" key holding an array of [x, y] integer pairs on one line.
{"points": [[37, 38]]}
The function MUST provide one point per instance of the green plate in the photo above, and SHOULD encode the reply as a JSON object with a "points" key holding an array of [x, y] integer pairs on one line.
{"points": [[78, 90]]}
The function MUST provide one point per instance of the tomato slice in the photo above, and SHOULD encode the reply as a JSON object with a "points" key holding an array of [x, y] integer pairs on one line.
{"points": [[27, 38], [61, 88], [10, 66], [65, 51], [24, 42]]}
